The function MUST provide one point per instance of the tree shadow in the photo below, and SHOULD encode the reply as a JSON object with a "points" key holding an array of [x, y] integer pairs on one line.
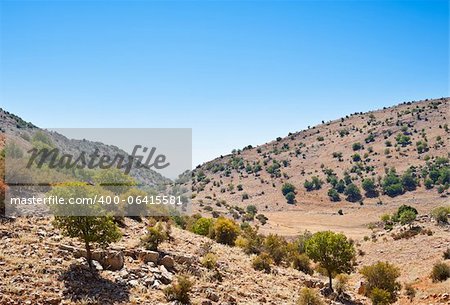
{"points": [[81, 284]]}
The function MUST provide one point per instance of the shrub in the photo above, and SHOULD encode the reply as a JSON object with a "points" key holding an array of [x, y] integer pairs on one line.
{"points": [[407, 217], [352, 192], [287, 188], [250, 241], [332, 251], [403, 140], [440, 272], [209, 261], [203, 226], [179, 290], [225, 231], [369, 187], [334, 195], [251, 209], [356, 146], [380, 277], [275, 246], [356, 157], [380, 297], [262, 262], [308, 297], [441, 214], [155, 236], [290, 198], [262, 218], [302, 262], [392, 185], [408, 181], [428, 183]]}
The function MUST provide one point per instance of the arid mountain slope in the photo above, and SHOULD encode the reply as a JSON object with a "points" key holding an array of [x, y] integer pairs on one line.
{"points": [[409, 136]]}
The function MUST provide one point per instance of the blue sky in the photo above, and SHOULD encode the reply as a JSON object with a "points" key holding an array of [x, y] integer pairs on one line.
{"points": [[237, 72]]}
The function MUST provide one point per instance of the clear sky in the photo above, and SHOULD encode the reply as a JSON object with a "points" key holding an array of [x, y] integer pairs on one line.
{"points": [[237, 72]]}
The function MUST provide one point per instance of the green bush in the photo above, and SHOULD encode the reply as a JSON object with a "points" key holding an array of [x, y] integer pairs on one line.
{"points": [[290, 198], [369, 187], [308, 297], [275, 246], [356, 146], [381, 282], [440, 272], [155, 236], [302, 262], [262, 262], [225, 231], [179, 290], [380, 297], [203, 226], [209, 261], [334, 195], [392, 184], [287, 188], [441, 214], [352, 192], [409, 183]]}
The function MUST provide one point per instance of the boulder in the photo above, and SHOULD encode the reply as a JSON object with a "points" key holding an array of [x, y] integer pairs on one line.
{"points": [[168, 262], [148, 256], [166, 276]]}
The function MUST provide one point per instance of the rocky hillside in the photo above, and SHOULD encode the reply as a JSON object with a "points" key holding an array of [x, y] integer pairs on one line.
{"points": [[24, 132], [401, 151]]}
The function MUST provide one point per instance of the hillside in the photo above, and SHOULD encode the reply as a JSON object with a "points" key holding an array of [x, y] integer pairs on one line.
{"points": [[407, 137], [24, 131], [41, 265]]}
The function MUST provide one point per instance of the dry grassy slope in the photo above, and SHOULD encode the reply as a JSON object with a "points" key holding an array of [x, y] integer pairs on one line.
{"points": [[265, 191]]}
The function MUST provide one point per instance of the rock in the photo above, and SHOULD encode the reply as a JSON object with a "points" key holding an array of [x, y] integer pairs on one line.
{"points": [[212, 295], [168, 262], [148, 281], [123, 274], [206, 302], [133, 283], [97, 265], [112, 260], [185, 259], [53, 301], [148, 256], [166, 276], [156, 284]]}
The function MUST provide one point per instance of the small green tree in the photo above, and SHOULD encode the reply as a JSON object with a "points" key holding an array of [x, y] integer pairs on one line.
{"points": [[332, 251], [98, 228], [352, 192], [370, 187], [225, 231], [287, 188]]}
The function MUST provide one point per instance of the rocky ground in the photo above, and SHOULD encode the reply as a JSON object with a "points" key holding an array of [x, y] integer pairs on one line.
{"points": [[39, 266]]}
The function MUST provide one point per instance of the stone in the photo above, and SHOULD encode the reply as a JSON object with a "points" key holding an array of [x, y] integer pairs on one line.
{"points": [[156, 284], [148, 256], [168, 262], [97, 265], [133, 283], [206, 302], [166, 276]]}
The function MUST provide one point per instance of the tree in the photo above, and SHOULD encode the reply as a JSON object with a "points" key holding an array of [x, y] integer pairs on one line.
{"points": [[202, 226], [290, 197], [369, 187], [408, 181], [114, 180], [381, 276], [353, 193], [356, 146], [98, 228], [287, 188], [332, 251]]}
